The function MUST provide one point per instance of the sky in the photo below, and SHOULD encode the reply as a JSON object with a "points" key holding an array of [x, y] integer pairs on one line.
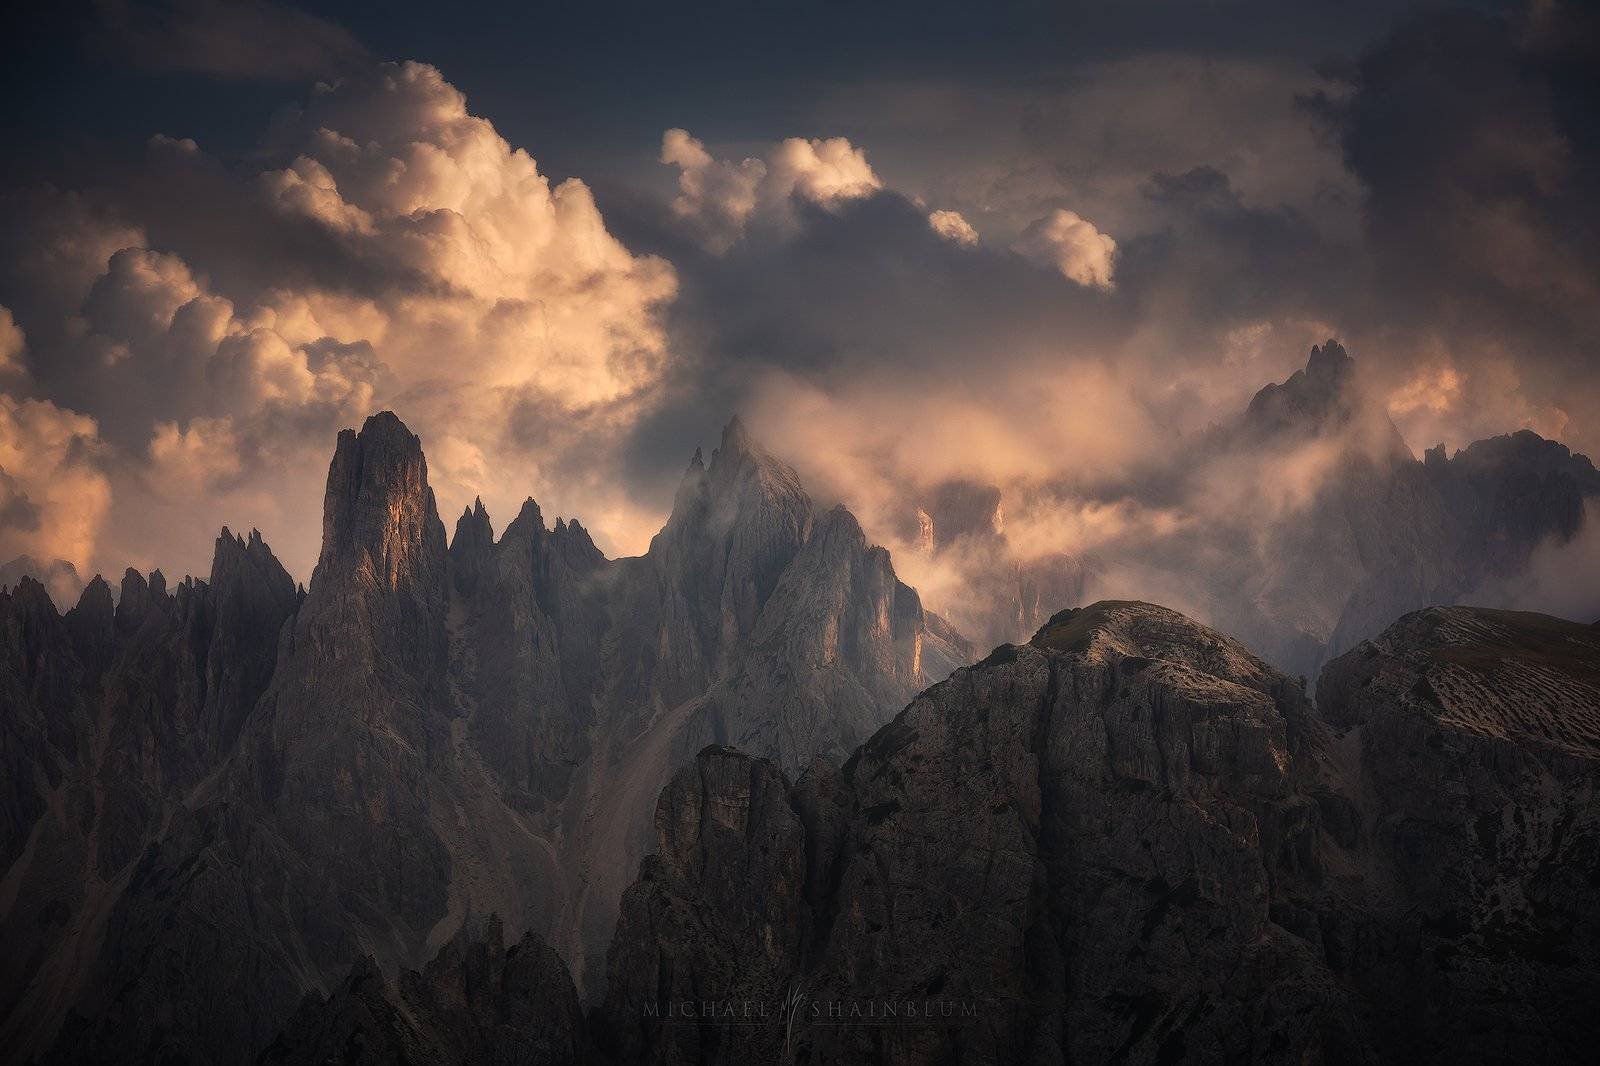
{"points": [[1040, 246]]}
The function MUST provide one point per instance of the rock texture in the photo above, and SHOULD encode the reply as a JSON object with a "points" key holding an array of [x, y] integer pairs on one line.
{"points": [[1478, 738], [477, 1001], [221, 796], [111, 714], [1131, 840]]}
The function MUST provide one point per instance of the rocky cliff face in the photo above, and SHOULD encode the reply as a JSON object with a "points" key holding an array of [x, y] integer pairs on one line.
{"points": [[1132, 840], [111, 714], [477, 1001], [225, 794], [1478, 739]]}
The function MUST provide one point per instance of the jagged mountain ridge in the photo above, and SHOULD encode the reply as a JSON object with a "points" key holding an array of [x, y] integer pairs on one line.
{"points": [[432, 732], [1131, 840], [1378, 533]]}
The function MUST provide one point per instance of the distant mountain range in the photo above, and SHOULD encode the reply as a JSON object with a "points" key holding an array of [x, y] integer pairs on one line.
{"points": [[218, 797], [1373, 531]]}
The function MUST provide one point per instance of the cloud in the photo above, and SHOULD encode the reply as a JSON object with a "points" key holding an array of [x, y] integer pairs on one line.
{"points": [[1562, 579], [1071, 245], [1471, 138], [715, 197], [952, 227], [718, 199], [394, 250], [53, 497], [255, 39], [12, 343], [1088, 135], [219, 316]]}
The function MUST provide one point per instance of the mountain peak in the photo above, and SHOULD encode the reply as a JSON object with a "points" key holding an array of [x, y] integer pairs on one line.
{"points": [[1329, 365], [378, 512], [528, 523], [1326, 397], [240, 564], [735, 437], [471, 546]]}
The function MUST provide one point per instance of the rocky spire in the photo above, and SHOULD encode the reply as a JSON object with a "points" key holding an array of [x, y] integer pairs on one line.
{"points": [[379, 522], [249, 566], [133, 602], [528, 525], [251, 595], [735, 525], [736, 438], [93, 623], [470, 547], [1309, 398]]}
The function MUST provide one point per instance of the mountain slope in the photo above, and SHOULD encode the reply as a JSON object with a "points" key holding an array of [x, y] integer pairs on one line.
{"points": [[269, 787], [1131, 840]]}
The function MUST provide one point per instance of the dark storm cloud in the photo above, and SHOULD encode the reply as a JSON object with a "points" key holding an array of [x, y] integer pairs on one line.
{"points": [[225, 38], [1475, 138], [1215, 261], [17, 511], [868, 289]]}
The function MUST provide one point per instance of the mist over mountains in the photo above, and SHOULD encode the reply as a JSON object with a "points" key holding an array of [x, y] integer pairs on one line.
{"points": [[1301, 525], [223, 793], [1142, 604]]}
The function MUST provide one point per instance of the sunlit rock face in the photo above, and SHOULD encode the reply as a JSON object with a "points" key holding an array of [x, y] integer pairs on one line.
{"points": [[227, 794], [1132, 840]]}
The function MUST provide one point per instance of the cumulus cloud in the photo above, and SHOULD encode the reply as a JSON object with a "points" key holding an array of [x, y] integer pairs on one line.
{"points": [[218, 317], [467, 291], [718, 198], [952, 227], [715, 197], [53, 496], [1073, 246]]}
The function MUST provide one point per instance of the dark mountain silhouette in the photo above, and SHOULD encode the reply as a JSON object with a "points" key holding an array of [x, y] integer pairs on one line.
{"points": [[220, 796], [241, 817], [1128, 840]]}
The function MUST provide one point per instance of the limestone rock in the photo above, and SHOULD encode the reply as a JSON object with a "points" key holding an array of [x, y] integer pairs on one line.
{"points": [[477, 1001], [1132, 840]]}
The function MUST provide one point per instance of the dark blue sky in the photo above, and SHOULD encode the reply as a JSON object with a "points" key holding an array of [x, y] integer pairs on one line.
{"points": [[584, 85]]}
